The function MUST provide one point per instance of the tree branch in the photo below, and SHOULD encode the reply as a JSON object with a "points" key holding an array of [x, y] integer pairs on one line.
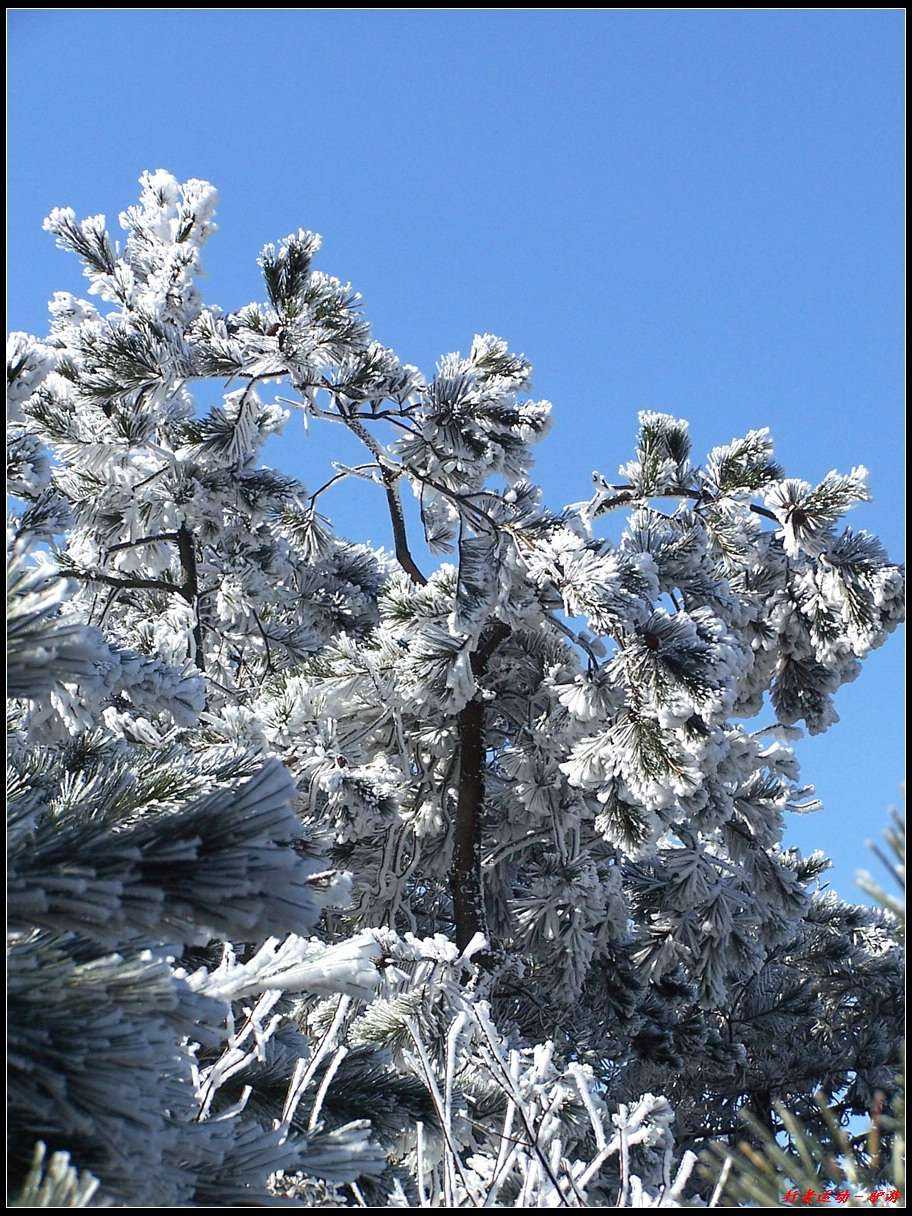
{"points": [[400, 536], [188, 589], [125, 584], [629, 494], [143, 540]]}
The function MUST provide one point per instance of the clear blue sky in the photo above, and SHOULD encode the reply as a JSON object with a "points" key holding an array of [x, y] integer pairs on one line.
{"points": [[692, 211]]}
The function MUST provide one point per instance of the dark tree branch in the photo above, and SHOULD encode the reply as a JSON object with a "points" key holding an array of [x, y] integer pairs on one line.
{"points": [[400, 536], [143, 540], [343, 473], [124, 584], [403, 555], [269, 666], [629, 494], [115, 592], [188, 589]]}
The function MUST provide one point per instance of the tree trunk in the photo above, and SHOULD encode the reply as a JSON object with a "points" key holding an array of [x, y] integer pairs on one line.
{"points": [[465, 875], [190, 588]]}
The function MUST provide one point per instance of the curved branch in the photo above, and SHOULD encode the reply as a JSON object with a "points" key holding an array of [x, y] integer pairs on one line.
{"points": [[397, 519], [629, 494]]}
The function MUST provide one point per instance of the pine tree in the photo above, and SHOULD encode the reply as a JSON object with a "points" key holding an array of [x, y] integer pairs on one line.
{"points": [[123, 861], [573, 944], [860, 1170]]}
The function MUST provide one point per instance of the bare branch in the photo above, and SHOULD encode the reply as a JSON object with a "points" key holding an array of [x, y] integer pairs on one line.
{"points": [[628, 495], [125, 584], [143, 540], [400, 536]]}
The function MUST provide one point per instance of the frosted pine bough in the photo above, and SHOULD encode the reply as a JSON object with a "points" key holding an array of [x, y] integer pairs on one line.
{"points": [[492, 850]]}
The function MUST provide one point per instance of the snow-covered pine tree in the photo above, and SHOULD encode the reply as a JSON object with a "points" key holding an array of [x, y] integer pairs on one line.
{"points": [[864, 1169], [541, 745], [124, 863]]}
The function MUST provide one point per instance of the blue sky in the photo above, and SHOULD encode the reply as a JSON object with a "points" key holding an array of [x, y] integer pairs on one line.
{"points": [[699, 212]]}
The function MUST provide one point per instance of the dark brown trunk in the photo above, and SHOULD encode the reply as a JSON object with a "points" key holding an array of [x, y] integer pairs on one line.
{"points": [[761, 1107], [465, 874], [190, 588]]}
